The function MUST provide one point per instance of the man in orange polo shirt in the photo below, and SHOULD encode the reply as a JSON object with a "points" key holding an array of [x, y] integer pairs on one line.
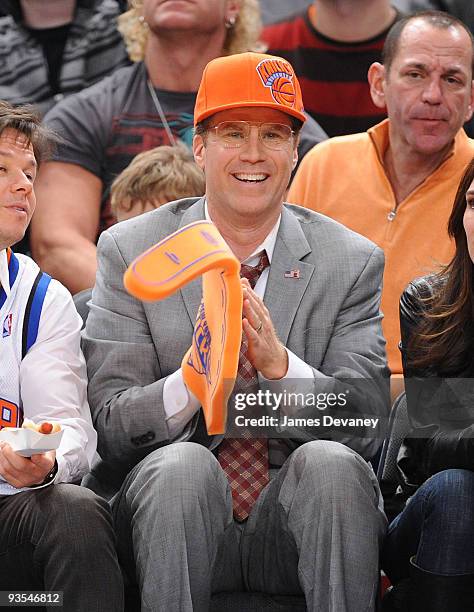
{"points": [[396, 183]]}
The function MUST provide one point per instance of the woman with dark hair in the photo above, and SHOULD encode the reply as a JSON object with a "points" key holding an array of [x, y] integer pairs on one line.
{"points": [[429, 551]]}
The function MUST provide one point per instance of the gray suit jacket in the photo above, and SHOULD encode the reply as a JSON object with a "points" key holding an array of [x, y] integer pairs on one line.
{"points": [[329, 317]]}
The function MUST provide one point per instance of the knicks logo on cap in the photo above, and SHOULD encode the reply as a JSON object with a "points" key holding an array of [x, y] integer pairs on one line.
{"points": [[278, 76]]}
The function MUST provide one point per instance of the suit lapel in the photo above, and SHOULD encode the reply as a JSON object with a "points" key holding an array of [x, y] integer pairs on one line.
{"points": [[192, 292], [283, 294]]}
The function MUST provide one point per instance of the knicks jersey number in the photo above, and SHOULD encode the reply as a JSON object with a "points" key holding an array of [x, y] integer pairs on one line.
{"points": [[9, 414]]}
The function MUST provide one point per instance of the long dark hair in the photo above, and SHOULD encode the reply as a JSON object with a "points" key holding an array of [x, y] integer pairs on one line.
{"points": [[444, 339]]}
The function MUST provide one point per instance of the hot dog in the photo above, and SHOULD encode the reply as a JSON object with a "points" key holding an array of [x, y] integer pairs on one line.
{"points": [[44, 428]]}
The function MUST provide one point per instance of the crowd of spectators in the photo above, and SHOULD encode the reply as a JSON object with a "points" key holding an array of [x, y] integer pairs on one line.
{"points": [[329, 141]]}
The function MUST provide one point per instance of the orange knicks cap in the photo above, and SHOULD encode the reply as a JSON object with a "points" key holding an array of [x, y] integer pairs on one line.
{"points": [[248, 79]]}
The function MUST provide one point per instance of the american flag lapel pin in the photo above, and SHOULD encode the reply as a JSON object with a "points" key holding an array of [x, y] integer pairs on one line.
{"points": [[292, 273]]}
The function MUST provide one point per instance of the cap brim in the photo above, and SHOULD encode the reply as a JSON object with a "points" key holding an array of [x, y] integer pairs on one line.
{"points": [[293, 112]]}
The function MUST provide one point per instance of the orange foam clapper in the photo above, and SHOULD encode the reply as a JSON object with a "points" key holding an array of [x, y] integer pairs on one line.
{"points": [[212, 360]]}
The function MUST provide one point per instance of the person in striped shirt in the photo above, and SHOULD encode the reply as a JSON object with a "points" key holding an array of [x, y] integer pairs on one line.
{"points": [[331, 46]]}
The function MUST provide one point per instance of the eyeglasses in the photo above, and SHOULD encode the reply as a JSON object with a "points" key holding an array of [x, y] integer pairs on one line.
{"points": [[234, 134]]}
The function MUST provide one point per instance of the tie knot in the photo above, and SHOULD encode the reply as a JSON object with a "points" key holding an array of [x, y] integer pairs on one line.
{"points": [[252, 273]]}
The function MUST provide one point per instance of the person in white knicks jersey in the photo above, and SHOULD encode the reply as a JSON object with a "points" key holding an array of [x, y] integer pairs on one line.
{"points": [[55, 536]]}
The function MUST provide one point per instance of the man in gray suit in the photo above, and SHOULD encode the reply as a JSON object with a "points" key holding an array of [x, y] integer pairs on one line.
{"points": [[312, 322]]}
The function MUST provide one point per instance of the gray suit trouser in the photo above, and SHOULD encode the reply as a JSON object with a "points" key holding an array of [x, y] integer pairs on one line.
{"points": [[61, 538], [315, 529]]}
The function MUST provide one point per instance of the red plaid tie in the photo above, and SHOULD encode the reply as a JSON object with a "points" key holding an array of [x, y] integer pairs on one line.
{"points": [[245, 460]]}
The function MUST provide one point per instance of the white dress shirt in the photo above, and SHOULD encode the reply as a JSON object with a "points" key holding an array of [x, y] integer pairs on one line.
{"points": [[180, 403], [53, 379]]}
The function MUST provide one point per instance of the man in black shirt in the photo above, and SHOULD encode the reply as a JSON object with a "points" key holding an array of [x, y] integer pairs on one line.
{"points": [[55, 48], [51, 49]]}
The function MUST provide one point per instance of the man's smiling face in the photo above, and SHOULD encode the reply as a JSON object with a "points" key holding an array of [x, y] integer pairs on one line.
{"points": [[250, 180], [17, 174]]}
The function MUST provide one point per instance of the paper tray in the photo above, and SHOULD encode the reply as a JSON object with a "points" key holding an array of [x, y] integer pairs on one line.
{"points": [[27, 442]]}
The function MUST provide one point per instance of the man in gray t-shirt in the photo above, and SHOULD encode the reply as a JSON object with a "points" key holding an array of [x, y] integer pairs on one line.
{"points": [[133, 110]]}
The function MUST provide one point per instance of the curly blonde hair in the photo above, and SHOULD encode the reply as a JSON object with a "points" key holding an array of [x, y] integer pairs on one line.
{"points": [[242, 36]]}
